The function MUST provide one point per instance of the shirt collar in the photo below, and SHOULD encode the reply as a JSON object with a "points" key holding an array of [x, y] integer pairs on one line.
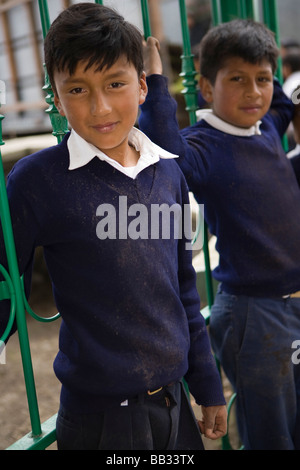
{"points": [[217, 123], [82, 152]]}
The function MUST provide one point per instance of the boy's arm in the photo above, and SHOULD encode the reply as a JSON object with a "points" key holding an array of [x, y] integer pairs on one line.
{"points": [[282, 109], [202, 377], [158, 121]]}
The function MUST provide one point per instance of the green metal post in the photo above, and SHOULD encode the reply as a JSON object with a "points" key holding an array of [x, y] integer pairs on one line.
{"points": [[59, 123], [215, 12], [188, 69], [146, 18], [191, 98], [20, 310], [270, 15], [252, 9], [227, 10], [44, 14], [230, 9]]}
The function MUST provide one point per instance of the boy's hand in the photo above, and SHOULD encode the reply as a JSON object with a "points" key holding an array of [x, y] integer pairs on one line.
{"points": [[152, 60], [214, 421]]}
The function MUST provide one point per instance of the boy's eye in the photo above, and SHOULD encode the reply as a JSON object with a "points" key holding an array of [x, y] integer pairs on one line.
{"points": [[76, 91], [264, 79], [116, 85]]}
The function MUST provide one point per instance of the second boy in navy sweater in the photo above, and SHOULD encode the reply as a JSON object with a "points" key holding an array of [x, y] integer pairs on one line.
{"points": [[235, 165]]}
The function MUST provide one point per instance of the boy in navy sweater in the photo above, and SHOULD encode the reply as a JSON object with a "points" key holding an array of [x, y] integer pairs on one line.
{"points": [[131, 327], [234, 163]]}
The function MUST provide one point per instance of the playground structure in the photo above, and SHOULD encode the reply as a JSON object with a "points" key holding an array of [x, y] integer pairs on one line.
{"points": [[42, 435]]}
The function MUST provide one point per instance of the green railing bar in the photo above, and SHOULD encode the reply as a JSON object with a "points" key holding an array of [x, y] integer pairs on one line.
{"points": [[226, 10], [20, 311], [190, 93], [188, 70], [7, 288], [59, 123], [270, 15], [8, 292], [215, 12], [33, 314], [230, 9], [146, 18], [47, 437], [252, 9], [45, 18]]}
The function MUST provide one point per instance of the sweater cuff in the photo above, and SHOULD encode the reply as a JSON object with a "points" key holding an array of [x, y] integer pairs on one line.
{"points": [[158, 85]]}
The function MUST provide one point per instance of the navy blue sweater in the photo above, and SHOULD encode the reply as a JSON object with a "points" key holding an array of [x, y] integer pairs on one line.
{"points": [[248, 188], [130, 308]]}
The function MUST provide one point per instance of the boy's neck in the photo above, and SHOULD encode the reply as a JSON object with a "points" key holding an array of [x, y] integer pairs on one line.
{"points": [[129, 158]]}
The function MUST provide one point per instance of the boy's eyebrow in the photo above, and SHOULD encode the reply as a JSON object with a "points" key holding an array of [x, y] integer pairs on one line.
{"points": [[73, 79], [262, 71]]}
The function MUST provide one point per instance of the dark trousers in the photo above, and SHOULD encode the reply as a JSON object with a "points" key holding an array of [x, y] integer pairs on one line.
{"points": [[253, 338], [162, 421]]}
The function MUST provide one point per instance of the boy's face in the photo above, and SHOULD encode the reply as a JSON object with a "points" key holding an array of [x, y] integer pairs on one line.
{"points": [[101, 106], [242, 92]]}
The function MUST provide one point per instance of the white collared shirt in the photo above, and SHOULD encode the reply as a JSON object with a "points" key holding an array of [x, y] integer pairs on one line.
{"points": [[208, 116], [82, 152]]}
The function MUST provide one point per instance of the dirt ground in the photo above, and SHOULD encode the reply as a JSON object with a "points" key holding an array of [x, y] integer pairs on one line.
{"points": [[14, 416]]}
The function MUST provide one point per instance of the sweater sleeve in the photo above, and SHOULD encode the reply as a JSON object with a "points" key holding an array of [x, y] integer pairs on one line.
{"points": [[282, 109], [202, 377], [158, 121]]}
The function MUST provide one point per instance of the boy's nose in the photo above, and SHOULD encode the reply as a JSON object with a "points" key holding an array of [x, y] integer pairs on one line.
{"points": [[252, 90], [100, 105]]}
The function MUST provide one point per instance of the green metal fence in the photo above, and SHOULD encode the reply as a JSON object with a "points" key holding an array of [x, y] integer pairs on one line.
{"points": [[42, 435]]}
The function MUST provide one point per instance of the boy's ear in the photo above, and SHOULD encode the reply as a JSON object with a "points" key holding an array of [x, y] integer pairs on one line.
{"points": [[206, 89], [58, 105], [143, 88]]}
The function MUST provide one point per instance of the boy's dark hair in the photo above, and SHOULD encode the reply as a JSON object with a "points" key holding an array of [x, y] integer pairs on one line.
{"points": [[247, 39], [94, 34]]}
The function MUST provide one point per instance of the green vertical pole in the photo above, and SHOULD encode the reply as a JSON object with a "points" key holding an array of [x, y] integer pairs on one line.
{"points": [[227, 10], [44, 14], [252, 9], [270, 15], [230, 9], [20, 310], [215, 12], [146, 18], [99, 2], [191, 98], [188, 69], [59, 123]]}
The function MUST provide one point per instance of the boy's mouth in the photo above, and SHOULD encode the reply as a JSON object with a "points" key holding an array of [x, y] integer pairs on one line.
{"points": [[105, 128], [251, 109]]}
